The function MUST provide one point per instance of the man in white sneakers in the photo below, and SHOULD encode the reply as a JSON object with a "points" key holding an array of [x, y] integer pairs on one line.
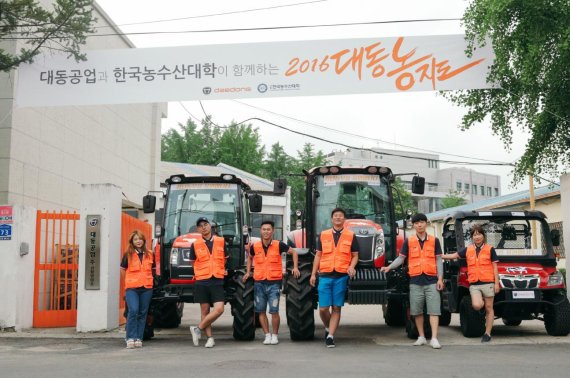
{"points": [[267, 274]]}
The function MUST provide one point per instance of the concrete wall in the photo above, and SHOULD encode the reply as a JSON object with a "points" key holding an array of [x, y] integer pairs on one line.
{"points": [[47, 153], [17, 272]]}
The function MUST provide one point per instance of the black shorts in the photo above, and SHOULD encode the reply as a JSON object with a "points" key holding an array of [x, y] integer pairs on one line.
{"points": [[209, 293]]}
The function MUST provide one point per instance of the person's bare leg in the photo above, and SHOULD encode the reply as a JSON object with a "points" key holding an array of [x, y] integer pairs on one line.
{"points": [[489, 315], [419, 320], [334, 320], [275, 321], [209, 317]]}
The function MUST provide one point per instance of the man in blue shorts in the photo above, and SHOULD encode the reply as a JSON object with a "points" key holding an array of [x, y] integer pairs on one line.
{"points": [[336, 259]]}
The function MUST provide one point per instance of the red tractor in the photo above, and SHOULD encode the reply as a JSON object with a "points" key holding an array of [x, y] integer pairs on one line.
{"points": [[531, 286], [366, 196]]}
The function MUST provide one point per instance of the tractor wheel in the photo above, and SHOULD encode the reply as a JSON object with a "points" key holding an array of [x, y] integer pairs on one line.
{"points": [[512, 322], [243, 309], [168, 314], [472, 322], [148, 331], [557, 318], [299, 305], [394, 314], [444, 318]]}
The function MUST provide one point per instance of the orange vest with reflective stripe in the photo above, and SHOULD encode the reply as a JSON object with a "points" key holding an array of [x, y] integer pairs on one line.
{"points": [[421, 260], [479, 268], [270, 266], [139, 274], [336, 257], [208, 265]]}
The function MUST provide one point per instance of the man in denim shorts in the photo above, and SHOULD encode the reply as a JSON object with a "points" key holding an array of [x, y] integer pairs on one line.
{"points": [[336, 259], [267, 274], [425, 268]]}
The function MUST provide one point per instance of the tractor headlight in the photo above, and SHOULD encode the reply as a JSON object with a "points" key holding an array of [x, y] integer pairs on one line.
{"points": [[174, 256], [555, 279], [379, 246]]}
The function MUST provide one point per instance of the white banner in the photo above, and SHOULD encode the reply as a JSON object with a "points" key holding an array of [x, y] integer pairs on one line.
{"points": [[274, 69]]}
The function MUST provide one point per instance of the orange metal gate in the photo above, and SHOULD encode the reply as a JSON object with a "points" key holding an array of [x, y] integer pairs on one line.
{"points": [[128, 225], [55, 278]]}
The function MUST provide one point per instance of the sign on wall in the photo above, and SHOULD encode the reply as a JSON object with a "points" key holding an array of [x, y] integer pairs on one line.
{"points": [[256, 70], [5, 222], [93, 252]]}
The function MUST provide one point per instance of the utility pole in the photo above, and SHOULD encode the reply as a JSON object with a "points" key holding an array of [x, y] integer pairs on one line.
{"points": [[532, 203]]}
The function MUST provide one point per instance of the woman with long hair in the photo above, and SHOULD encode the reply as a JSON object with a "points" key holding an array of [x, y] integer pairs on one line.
{"points": [[137, 262]]}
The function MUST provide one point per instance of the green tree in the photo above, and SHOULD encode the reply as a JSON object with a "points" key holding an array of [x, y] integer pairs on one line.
{"points": [[240, 146], [452, 199], [63, 29], [531, 41], [307, 158], [403, 200], [278, 163]]}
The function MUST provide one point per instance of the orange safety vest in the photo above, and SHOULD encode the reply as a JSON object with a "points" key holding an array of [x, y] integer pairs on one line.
{"points": [[270, 266], [479, 268], [208, 265], [421, 260], [139, 274], [336, 257]]}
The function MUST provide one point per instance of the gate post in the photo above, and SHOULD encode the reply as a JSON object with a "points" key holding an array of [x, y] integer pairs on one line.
{"points": [[17, 268], [97, 305], [565, 207]]}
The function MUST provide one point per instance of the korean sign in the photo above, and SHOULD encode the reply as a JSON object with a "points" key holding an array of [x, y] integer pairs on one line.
{"points": [[5, 222], [93, 252], [277, 69]]}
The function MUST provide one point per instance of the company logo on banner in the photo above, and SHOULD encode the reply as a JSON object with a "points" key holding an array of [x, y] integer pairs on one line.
{"points": [[276, 69]]}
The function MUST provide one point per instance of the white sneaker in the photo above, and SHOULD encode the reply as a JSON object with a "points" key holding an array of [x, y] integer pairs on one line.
{"points": [[420, 341], [435, 344], [210, 343], [274, 340], [267, 340], [196, 335]]}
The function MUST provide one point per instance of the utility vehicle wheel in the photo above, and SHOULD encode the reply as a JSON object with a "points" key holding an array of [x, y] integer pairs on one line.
{"points": [[472, 322], [299, 305], [148, 331], [512, 322], [394, 314], [557, 318], [168, 314], [444, 318], [243, 309]]}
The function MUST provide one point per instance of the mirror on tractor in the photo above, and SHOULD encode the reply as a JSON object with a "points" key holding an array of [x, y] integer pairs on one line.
{"points": [[149, 203], [418, 184], [279, 186], [508, 233], [555, 237], [255, 202]]}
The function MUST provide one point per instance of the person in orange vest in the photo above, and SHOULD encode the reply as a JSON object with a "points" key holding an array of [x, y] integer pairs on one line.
{"points": [[335, 260], [425, 268], [208, 256], [137, 267], [482, 274], [267, 274]]}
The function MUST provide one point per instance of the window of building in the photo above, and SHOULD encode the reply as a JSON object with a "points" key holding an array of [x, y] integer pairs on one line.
{"points": [[432, 163], [467, 188], [482, 190], [256, 219], [458, 186], [489, 191], [432, 187], [407, 185], [474, 189], [496, 192]]}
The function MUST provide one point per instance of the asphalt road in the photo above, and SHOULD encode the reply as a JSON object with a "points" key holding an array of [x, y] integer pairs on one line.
{"points": [[365, 347]]}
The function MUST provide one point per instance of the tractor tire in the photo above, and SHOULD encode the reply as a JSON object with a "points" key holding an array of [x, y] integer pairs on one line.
{"points": [[394, 314], [412, 329], [512, 322], [299, 305], [168, 314], [472, 322], [243, 309], [557, 318], [148, 331], [444, 318]]}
